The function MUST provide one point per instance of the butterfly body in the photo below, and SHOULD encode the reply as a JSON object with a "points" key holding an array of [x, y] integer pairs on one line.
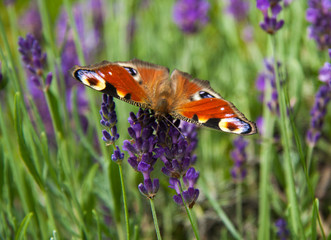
{"points": [[149, 85]]}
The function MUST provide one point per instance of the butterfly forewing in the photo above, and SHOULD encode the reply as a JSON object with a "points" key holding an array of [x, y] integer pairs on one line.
{"points": [[113, 79]]}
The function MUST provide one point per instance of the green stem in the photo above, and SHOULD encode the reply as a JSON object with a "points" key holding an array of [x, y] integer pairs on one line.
{"points": [[265, 162], [189, 214], [290, 189], [156, 224], [309, 157], [124, 202], [239, 207]]}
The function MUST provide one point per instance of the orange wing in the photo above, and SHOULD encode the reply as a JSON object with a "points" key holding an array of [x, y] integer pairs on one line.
{"points": [[131, 81], [200, 104]]}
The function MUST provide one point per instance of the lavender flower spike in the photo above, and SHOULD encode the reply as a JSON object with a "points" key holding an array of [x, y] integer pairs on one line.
{"points": [[108, 119], [143, 150], [282, 232], [239, 157], [34, 59], [317, 114], [319, 15], [319, 109], [191, 15], [270, 23]]}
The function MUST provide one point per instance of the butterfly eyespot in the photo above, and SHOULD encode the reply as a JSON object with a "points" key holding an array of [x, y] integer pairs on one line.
{"points": [[133, 72], [204, 94]]}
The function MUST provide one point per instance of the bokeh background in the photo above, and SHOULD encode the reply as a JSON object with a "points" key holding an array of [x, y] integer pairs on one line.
{"points": [[270, 58]]}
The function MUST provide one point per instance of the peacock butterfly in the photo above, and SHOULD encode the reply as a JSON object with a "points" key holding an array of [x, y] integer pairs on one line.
{"points": [[148, 85]]}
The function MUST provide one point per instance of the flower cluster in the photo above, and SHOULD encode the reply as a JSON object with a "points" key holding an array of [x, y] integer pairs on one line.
{"points": [[318, 111], [142, 149], [191, 15], [91, 43], [282, 232], [238, 9], [239, 157], [34, 60], [268, 77], [319, 15], [270, 24], [317, 114], [325, 72], [178, 159], [154, 139], [109, 120]]}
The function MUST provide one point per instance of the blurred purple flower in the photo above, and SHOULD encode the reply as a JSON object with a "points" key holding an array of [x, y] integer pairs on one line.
{"points": [[268, 77], [325, 73], [30, 21], [239, 157], [191, 15], [317, 114], [282, 232], [270, 24], [91, 44], [319, 109], [34, 61], [319, 15], [238, 9]]}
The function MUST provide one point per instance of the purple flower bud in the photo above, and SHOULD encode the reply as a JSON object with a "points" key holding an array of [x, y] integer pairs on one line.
{"points": [[191, 15], [49, 79], [282, 232]]}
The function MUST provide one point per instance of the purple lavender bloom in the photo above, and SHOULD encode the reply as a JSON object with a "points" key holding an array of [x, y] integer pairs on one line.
{"points": [[270, 24], [319, 109], [191, 15], [317, 114], [143, 150], [109, 120], [91, 45], [325, 73], [177, 157], [238, 172], [34, 61], [282, 232], [238, 9], [190, 195], [319, 15], [268, 77]]}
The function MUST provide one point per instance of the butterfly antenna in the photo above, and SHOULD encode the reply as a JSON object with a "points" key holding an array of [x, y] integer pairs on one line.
{"points": [[175, 127]]}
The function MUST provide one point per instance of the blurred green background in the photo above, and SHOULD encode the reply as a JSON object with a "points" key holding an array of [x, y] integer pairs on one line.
{"points": [[57, 179]]}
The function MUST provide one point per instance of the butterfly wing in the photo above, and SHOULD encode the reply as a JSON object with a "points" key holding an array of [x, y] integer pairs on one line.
{"points": [[131, 81], [197, 102]]}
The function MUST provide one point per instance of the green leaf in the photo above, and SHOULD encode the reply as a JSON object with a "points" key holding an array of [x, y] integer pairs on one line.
{"points": [[313, 220], [24, 150], [23, 226]]}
